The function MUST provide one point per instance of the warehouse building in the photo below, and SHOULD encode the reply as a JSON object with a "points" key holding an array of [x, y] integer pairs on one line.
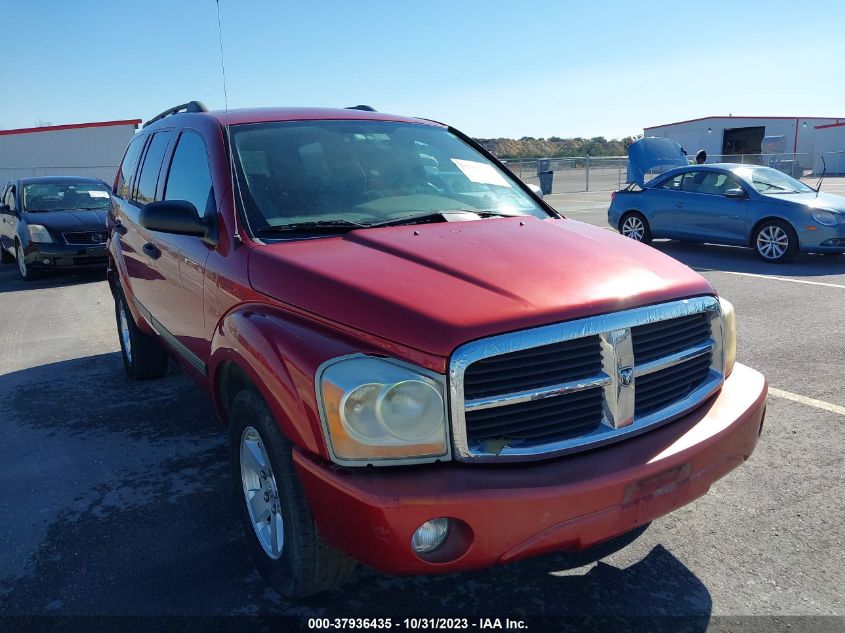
{"points": [[80, 149], [740, 138]]}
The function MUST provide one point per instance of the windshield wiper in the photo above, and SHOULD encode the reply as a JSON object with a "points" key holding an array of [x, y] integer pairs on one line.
{"points": [[438, 215], [319, 226]]}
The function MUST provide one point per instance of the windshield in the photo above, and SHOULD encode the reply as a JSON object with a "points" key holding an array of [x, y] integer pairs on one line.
{"points": [[768, 180], [70, 196], [366, 173]]}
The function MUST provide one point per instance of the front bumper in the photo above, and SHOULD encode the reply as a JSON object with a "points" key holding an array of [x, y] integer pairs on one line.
{"points": [[508, 512], [822, 239], [64, 256]]}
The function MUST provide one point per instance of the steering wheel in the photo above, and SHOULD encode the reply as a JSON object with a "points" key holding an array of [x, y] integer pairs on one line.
{"points": [[430, 188]]}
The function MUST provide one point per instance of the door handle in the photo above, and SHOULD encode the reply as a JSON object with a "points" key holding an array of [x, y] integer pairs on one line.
{"points": [[119, 228], [152, 251], [679, 205]]}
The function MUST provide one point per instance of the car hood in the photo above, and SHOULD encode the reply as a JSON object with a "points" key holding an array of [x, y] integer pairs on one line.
{"points": [[435, 286], [651, 152], [822, 201], [62, 221]]}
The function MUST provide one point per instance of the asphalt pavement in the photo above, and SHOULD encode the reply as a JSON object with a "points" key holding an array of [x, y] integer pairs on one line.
{"points": [[115, 496]]}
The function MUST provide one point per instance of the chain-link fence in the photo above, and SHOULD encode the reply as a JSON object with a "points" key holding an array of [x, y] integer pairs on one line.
{"points": [[103, 172], [608, 173], [577, 173]]}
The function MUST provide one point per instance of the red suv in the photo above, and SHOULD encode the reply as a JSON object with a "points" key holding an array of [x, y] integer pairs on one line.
{"points": [[422, 366]]}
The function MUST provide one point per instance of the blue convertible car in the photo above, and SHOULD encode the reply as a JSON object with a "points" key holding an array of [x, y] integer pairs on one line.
{"points": [[743, 205]]}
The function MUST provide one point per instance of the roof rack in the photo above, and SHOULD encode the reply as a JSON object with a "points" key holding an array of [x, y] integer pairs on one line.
{"points": [[191, 106], [365, 108]]}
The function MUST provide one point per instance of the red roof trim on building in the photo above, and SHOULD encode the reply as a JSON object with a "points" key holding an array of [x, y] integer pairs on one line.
{"points": [[837, 124], [705, 118], [71, 126]]}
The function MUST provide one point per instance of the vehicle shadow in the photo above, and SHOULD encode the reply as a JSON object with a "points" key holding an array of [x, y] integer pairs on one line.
{"points": [[743, 260], [10, 280], [125, 505]]}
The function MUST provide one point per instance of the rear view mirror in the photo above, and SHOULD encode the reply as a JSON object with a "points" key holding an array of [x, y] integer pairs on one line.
{"points": [[536, 190], [179, 217], [735, 193]]}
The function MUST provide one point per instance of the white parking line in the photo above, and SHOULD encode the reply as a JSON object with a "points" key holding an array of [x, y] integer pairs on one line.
{"points": [[810, 402], [795, 281]]}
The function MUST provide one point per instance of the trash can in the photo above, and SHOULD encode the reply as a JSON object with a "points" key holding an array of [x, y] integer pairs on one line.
{"points": [[546, 178], [544, 173]]}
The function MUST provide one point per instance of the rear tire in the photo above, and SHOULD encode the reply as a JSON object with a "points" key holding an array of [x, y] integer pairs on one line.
{"points": [[143, 356], [634, 225], [290, 554], [775, 241]]}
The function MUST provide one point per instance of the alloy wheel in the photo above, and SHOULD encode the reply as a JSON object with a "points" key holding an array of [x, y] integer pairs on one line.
{"points": [[261, 494], [634, 228], [772, 242]]}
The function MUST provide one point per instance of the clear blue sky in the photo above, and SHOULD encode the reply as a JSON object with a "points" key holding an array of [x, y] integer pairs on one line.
{"points": [[489, 67]]}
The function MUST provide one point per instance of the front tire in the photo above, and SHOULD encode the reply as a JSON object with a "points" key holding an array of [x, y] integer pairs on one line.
{"points": [[5, 256], [290, 554], [143, 357], [634, 225], [26, 273], [775, 241]]}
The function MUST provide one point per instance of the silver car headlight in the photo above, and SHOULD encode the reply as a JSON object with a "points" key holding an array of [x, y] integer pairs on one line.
{"points": [[39, 233], [825, 218], [379, 410], [728, 334]]}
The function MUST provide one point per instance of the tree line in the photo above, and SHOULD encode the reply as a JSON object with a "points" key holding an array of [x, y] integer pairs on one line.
{"points": [[555, 146]]}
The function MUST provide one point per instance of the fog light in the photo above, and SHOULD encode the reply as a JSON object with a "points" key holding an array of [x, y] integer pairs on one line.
{"points": [[834, 242], [46, 261], [430, 535]]}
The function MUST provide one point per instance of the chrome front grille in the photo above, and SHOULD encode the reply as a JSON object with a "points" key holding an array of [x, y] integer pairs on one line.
{"points": [[571, 386], [661, 388], [654, 340], [533, 368], [549, 419]]}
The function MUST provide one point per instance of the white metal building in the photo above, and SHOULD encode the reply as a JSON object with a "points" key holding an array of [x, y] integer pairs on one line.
{"points": [[80, 149], [830, 146], [725, 136]]}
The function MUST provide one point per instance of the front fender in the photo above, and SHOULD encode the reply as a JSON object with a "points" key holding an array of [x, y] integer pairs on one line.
{"points": [[280, 353]]}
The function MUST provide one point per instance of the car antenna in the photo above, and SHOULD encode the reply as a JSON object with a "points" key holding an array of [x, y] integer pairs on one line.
{"points": [[821, 178], [236, 235]]}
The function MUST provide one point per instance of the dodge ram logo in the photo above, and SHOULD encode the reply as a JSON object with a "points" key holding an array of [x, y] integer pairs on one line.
{"points": [[626, 376]]}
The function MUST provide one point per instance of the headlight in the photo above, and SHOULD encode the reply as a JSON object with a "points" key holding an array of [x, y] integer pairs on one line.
{"points": [[39, 233], [377, 410], [825, 217], [728, 334]]}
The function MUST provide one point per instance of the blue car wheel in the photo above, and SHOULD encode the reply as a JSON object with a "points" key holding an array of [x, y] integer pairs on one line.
{"points": [[775, 241], [634, 225]]}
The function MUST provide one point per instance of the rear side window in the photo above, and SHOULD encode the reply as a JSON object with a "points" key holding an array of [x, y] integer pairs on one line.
{"points": [[152, 166], [190, 177], [127, 167], [673, 184], [712, 183]]}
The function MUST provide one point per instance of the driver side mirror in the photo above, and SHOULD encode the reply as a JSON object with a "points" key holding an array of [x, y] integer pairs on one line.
{"points": [[736, 193], [178, 217]]}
